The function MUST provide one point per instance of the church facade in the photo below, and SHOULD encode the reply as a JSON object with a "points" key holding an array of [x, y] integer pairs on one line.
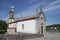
{"points": [[32, 25]]}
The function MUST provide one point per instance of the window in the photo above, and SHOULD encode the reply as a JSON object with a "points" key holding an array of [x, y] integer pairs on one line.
{"points": [[15, 29], [42, 23], [41, 18], [22, 26]]}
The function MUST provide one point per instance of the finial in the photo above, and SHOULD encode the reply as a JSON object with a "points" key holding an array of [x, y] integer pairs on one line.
{"points": [[40, 6], [36, 11], [12, 7]]}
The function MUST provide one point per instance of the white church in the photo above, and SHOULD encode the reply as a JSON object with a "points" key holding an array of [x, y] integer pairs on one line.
{"points": [[31, 25]]}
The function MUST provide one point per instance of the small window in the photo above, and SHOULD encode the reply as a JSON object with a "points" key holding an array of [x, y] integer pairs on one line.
{"points": [[42, 23], [22, 26], [41, 18]]}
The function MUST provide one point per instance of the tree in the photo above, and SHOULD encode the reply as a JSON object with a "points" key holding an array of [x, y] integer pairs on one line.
{"points": [[57, 26], [3, 26]]}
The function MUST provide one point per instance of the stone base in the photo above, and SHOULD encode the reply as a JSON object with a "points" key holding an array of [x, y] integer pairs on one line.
{"points": [[11, 31]]}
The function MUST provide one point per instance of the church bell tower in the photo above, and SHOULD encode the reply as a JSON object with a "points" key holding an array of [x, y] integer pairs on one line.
{"points": [[11, 26], [11, 14]]}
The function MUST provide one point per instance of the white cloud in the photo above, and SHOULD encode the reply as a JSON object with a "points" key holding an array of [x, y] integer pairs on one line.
{"points": [[52, 8], [29, 11], [32, 9], [53, 3]]}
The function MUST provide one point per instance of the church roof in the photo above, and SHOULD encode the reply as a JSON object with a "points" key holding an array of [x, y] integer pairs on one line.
{"points": [[29, 18], [24, 19]]}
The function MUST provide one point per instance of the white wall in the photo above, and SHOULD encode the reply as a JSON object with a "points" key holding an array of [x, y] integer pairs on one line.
{"points": [[13, 25], [29, 26], [11, 20]]}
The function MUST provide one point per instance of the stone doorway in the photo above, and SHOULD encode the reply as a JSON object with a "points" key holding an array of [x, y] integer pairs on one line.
{"points": [[41, 29]]}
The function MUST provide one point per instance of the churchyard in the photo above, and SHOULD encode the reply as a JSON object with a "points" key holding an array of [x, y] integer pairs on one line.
{"points": [[48, 36]]}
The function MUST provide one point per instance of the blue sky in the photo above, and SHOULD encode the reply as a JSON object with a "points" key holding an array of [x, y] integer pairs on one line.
{"points": [[27, 8]]}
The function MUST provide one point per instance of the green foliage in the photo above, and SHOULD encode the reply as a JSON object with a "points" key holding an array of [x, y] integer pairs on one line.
{"points": [[52, 27], [3, 26]]}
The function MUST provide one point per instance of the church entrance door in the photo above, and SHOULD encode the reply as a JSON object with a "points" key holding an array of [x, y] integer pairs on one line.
{"points": [[42, 29]]}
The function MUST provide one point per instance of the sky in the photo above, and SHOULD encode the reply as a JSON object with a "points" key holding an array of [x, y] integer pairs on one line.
{"points": [[51, 9]]}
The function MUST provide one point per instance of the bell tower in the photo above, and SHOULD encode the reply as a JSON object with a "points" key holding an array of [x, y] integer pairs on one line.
{"points": [[11, 26], [11, 14]]}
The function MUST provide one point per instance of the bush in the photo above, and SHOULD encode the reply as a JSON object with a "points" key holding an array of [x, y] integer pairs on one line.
{"points": [[3, 26]]}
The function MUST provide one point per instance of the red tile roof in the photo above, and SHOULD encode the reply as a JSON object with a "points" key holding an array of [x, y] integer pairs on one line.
{"points": [[24, 19], [29, 18]]}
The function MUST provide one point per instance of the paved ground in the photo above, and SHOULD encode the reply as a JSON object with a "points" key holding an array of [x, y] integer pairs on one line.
{"points": [[53, 36], [49, 36]]}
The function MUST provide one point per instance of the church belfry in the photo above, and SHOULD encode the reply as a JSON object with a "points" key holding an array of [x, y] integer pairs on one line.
{"points": [[11, 14], [11, 27]]}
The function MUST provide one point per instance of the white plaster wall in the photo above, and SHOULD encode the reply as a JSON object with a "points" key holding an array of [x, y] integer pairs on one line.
{"points": [[13, 25], [29, 26], [11, 20]]}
